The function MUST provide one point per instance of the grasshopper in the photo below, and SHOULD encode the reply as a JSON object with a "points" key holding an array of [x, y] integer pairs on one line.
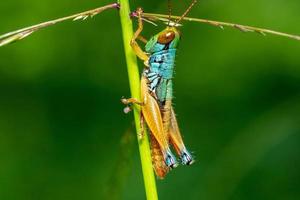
{"points": [[156, 81], [157, 94]]}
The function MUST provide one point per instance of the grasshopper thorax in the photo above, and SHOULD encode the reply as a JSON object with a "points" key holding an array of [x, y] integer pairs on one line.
{"points": [[164, 40]]}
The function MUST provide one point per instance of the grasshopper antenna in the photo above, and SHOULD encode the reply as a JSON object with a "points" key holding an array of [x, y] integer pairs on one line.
{"points": [[187, 11], [170, 11]]}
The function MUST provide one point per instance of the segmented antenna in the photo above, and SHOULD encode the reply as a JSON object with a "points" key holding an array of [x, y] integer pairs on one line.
{"points": [[170, 11], [186, 12]]}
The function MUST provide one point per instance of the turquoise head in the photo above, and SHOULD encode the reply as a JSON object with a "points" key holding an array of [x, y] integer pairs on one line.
{"points": [[164, 40]]}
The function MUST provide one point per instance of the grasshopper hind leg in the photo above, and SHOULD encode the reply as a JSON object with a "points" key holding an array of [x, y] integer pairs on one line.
{"points": [[159, 161], [176, 139]]}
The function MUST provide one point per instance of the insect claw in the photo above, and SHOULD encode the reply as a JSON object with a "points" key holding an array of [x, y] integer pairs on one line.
{"points": [[124, 101], [133, 14], [117, 6]]}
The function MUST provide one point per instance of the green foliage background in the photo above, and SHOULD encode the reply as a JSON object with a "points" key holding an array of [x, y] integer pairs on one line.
{"points": [[63, 134]]}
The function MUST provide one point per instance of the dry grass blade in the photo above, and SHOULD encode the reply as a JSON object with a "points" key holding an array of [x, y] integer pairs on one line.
{"points": [[15, 37], [24, 32], [243, 28]]}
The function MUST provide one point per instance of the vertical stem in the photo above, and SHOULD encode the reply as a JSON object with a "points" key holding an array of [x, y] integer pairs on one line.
{"points": [[134, 81]]}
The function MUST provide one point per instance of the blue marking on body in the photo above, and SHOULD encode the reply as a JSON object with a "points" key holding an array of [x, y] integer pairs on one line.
{"points": [[162, 63], [160, 73], [154, 83], [161, 66]]}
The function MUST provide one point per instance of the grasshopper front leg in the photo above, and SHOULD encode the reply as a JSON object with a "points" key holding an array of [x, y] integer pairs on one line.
{"points": [[135, 46]]}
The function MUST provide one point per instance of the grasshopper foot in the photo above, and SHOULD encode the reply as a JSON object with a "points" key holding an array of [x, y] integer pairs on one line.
{"points": [[131, 101], [125, 101], [127, 109], [128, 103]]}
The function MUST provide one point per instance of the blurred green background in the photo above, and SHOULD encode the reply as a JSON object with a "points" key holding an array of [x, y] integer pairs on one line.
{"points": [[63, 134]]}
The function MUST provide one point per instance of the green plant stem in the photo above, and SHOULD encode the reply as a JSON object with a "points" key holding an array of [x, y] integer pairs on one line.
{"points": [[134, 81]]}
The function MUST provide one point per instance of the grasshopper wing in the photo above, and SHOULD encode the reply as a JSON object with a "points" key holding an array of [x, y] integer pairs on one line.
{"points": [[177, 142], [153, 118]]}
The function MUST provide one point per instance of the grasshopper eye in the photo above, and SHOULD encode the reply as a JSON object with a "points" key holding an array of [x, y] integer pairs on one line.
{"points": [[166, 37]]}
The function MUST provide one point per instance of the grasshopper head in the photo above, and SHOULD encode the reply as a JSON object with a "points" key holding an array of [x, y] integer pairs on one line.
{"points": [[164, 40]]}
